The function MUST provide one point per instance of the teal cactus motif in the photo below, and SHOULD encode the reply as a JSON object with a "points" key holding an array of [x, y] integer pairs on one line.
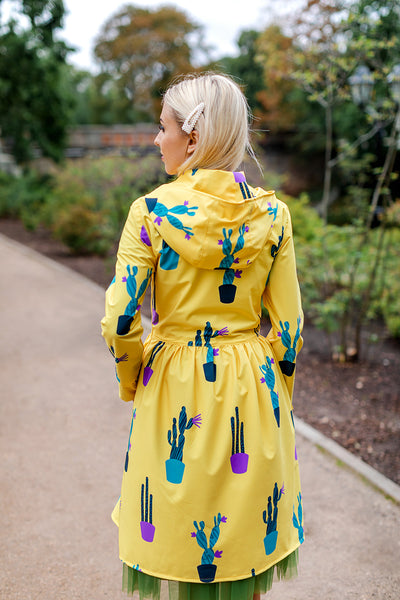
{"points": [[184, 425], [146, 523], [227, 290], [129, 440], [125, 320], [271, 520], [161, 211], [175, 466], [239, 459], [269, 378], [272, 211], [287, 365], [210, 369], [298, 519], [207, 570], [274, 248]]}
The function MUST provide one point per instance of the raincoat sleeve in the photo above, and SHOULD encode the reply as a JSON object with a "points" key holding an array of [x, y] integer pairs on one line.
{"points": [[282, 300], [121, 326]]}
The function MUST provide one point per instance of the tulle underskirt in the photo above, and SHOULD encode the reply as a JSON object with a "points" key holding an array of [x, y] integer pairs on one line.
{"points": [[149, 587]]}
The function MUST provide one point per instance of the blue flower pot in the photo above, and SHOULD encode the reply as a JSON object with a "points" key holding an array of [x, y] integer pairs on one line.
{"points": [[270, 542], [174, 470], [210, 371], [124, 324]]}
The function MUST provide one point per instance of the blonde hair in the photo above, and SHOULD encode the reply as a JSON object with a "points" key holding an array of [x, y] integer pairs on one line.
{"points": [[223, 126]]}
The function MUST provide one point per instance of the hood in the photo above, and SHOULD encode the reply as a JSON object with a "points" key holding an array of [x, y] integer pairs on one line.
{"points": [[213, 219]]}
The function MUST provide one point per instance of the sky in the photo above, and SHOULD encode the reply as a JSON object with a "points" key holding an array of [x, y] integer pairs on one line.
{"points": [[222, 20]]}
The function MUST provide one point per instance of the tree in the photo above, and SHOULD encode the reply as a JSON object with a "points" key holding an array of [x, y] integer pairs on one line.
{"points": [[245, 67], [34, 104], [143, 49]]}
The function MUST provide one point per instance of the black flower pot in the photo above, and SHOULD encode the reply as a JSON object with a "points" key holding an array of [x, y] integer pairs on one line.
{"points": [[207, 573], [210, 371], [287, 367], [227, 292], [124, 324]]}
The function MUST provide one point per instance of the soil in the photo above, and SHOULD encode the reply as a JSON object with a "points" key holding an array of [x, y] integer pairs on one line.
{"points": [[357, 404]]}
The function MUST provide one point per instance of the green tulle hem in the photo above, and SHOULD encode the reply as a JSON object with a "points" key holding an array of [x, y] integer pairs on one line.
{"points": [[149, 588]]}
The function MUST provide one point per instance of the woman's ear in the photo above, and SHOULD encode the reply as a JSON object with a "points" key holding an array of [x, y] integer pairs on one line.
{"points": [[193, 139]]}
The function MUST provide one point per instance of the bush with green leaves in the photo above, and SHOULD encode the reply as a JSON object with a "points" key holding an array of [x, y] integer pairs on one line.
{"points": [[24, 196], [90, 199]]}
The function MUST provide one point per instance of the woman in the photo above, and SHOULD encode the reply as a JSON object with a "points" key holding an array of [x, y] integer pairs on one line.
{"points": [[210, 495]]}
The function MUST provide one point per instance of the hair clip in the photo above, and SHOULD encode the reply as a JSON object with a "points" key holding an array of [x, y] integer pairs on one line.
{"points": [[192, 119]]}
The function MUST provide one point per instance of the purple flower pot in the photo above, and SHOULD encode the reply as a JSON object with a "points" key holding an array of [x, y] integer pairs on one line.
{"points": [[239, 462], [174, 469], [147, 530], [227, 292], [147, 373], [287, 367], [124, 324], [210, 371], [270, 542], [207, 573]]}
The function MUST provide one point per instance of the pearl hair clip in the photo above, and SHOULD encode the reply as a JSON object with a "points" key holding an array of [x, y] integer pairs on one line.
{"points": [[192, 119]]}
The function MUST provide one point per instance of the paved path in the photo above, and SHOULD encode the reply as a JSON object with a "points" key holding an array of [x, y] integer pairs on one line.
{"points": [[63, 435]]}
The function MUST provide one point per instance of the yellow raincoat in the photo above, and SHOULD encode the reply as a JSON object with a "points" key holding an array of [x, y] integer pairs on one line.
{"points": [[210, 488]]}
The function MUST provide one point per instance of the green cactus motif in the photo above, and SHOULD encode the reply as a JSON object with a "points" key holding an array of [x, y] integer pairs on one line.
{"points": [[125, 320], [298, 519]]}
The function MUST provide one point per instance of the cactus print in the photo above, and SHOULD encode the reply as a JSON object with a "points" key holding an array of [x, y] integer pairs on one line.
{"points": [[239, 459], [122, 358], [287, 365], [146, 502], [269, 378], [148, 371], [298, 519], [244, 188], [125, 320], [274, 248], [227, 290], [207, 570], [129, 441], [272, 520], [175, 466], [161, 211]]}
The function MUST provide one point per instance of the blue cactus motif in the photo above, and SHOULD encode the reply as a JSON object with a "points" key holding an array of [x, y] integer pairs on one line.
{"points": [[272, 520], [269, 378], [125, 320], [174, 465], [287, 365], [161, 211], [298, 519], [209, 367], [227, 290], [207, 570], [272, 211]]}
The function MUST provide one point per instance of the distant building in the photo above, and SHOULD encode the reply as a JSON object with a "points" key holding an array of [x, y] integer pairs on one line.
{"points": [[92, 140]]}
